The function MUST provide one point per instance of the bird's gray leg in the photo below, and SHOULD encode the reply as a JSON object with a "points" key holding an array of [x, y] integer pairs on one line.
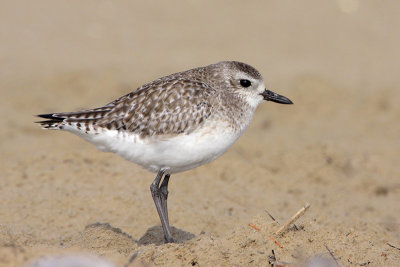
{"points": [[164, 196], [160, 198]]}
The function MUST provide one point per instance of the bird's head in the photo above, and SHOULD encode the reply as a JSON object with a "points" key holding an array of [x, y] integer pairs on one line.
{"points": [[247, 82]]}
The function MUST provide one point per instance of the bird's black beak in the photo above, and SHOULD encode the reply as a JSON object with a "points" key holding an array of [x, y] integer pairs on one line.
{"points": [[274, 97]]}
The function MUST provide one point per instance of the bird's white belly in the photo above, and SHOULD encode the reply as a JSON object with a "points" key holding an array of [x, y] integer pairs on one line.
{"points": [[174, 153]]}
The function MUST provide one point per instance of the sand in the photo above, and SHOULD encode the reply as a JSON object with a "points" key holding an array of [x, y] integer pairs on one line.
{"points": [[337, 147]]}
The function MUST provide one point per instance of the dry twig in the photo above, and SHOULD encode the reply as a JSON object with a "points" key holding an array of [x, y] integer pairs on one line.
{"points": [[393, 246], [294, 218], [333, 256], [269, 214], [255, 227], [273, 239], [274, 263], [276, 242]]}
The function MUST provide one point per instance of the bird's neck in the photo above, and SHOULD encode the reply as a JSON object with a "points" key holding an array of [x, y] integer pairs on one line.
{"points": [[237, 111]]}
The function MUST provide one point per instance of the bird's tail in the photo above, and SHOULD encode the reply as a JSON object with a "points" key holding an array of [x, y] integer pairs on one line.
{"points": [[58, 121], [54, 121]]}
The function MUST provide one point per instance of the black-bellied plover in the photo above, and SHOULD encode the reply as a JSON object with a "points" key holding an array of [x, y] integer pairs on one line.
{"points": [[175, 123]]}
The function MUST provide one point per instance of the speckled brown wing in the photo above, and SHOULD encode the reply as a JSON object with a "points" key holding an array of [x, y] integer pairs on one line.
{"points": [[163, 107]]}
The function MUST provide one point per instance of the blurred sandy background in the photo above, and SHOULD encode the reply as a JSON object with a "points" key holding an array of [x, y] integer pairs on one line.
{"points": [[337, 148]]}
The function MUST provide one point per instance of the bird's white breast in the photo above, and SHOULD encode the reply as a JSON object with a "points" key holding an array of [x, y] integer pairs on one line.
{"points": [[176, 153]]}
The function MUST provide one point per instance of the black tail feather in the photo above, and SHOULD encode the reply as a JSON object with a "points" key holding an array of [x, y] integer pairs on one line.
{"points": [[52, 122], [51, 116]]}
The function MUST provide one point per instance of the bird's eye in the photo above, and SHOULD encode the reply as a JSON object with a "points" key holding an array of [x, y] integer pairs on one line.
{"points": [[245, 83]]}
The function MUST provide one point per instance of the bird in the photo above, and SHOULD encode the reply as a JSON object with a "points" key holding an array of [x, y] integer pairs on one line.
{"points": [[174, 123]]}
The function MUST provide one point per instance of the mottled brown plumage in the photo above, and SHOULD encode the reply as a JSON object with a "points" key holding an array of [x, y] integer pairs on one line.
{"points": [[169, 106]]}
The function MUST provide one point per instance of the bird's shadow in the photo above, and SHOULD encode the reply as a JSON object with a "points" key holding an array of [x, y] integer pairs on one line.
{"points": [[155, 235], [100, 233]]}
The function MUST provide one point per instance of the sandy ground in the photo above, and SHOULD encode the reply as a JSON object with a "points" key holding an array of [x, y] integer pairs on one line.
{"points": [[337, 148]]}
